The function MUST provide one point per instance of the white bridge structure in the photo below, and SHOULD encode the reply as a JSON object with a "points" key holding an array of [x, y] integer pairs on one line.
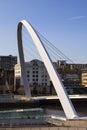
{"points": [[56, 80]]}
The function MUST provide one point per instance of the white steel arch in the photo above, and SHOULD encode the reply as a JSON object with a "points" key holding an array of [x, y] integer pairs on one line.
{"points": [[58, 85]]}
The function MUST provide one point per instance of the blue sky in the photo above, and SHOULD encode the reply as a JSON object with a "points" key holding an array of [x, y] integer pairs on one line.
{"points": [[63, 22]]}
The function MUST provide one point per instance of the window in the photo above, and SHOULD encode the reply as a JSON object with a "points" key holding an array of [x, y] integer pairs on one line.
{"points": [[35, 64], [28, 79], [36, 79], [33, 72]]}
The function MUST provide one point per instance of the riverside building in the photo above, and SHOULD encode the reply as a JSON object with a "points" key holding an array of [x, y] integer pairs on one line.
{"points": [[7, 62], [84, 77], [7, 72], [36, 74]]}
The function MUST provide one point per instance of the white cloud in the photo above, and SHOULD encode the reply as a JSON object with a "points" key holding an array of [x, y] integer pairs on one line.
{"points": [[76, 18]]}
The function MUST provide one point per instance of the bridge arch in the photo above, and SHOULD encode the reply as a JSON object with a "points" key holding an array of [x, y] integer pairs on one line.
{"points": [[58, 85]]}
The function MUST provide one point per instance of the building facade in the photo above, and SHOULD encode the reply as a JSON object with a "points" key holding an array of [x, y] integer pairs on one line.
{"points": [[84, 77], [7, 62], [78, 66], [36, 74], [72, 80], [70, 74], [63, 64]]}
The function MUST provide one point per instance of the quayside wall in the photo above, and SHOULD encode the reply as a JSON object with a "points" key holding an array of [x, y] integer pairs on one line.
{"points": [[46, 128]]}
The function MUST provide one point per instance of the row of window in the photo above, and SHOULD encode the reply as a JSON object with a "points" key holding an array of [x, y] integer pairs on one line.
{"points": [[34, 72], [84, 75], [37, 79], [33, 79], [37, 76], [40, 84], [84, 79], [33, 75]]}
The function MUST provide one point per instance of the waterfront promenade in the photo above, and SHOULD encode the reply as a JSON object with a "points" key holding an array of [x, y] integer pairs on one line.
{"points": [[46, 128], [53, 111]]}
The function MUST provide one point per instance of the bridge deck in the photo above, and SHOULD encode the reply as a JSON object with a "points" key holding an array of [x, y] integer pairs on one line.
{"points": [[56, 97]]}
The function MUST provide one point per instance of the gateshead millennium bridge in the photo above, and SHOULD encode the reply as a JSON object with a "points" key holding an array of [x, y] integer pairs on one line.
{"points": [[56, 80]]}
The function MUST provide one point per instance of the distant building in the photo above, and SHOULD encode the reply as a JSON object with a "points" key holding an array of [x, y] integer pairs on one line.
{"points": [[36, 74], [70, 73], [78, 66], [61, 63], [84, 77], [71, 80], [7, 62]]}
